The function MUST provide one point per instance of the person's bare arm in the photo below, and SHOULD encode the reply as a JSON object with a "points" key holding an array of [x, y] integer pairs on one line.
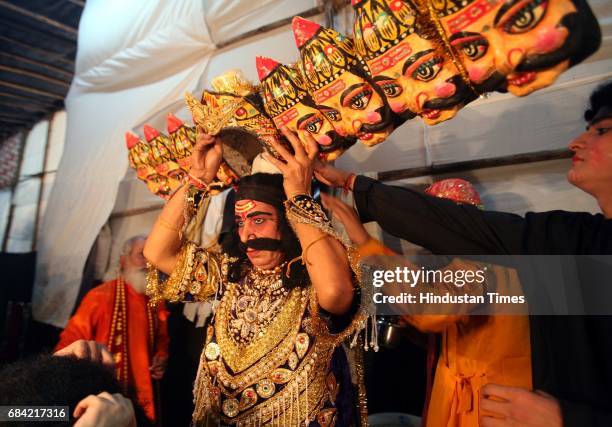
{"points": [[164, 242], [326, 258]]}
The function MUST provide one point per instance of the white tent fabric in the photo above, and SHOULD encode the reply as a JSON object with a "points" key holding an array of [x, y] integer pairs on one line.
{"points": [[134, 60]]}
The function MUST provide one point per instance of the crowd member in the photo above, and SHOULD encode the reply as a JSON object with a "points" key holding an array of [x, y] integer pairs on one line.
{"points": [[570, 380], [269, 356], [79, 377], [116, 314], [473, 349]]}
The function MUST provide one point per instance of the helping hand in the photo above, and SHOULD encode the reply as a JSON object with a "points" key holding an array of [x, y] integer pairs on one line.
{"points": [[158, 367], [206, 156], [348, 217], [502, 406], [90, 350], [105, 410], [330, 175]]}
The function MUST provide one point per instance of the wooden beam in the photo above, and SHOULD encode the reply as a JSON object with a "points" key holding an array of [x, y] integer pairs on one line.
{"points": [[36, 101], [25, 60], [24, 122], [32, 90], [269, 27], [70, 31], [4, 114], [538, 156], [35, 108], [35, 75], [34, 49]]}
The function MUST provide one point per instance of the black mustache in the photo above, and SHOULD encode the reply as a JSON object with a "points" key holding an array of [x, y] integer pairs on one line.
{"points": [[570, 46], [463, 94], [261, 244], [385, 114], [337, 142], [496, 81]]}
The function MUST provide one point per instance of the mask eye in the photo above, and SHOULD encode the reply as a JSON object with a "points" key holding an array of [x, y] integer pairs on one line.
{"points": [[602, 131], [428, 69], [390, 88], [314, 125], [332, 115], [473, 47], [361, 99], [525, 18]]}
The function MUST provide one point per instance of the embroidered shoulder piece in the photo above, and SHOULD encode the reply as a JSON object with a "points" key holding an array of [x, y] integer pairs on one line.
{"points": [[196, 277]]}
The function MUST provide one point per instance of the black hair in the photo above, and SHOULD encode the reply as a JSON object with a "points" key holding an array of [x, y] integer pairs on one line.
{"points": [[290, 245], [48, 380], [601, 97]]}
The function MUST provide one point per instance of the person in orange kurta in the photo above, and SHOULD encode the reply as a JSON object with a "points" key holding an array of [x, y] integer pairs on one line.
{"points": [[474, 350], [116, 315]]}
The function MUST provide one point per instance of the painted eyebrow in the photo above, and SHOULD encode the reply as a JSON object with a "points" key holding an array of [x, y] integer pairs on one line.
{"points": [[303, 119], [381, 78], [414, 58], [349, 90], [462, 34], [503, 9]]}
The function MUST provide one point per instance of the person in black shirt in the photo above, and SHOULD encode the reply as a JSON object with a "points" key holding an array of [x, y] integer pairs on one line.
{"points": [[571, 355]]}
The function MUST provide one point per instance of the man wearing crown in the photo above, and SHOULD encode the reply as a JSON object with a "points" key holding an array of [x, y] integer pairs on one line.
{"points": [[285, 286], [116, 315]]}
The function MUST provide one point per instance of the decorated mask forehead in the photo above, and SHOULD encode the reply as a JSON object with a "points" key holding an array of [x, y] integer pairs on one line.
{"points": [[339, 83], [288, 103], [408, 59], [234, 104]]}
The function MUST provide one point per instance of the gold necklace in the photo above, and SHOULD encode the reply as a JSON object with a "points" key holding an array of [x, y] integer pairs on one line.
{"points": [[257, 300]]}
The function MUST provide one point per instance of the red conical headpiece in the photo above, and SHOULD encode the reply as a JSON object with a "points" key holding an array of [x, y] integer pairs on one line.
{"points": [[173, 123], [150, 132], [265, 66], [131, 140], [303, 30], [455, 189]]}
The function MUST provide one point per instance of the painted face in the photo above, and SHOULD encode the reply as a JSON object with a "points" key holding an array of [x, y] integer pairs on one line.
{"points": [[288, 103], [339, 84], [592, 163], [254, 220], [533, 41], [161, 158], [182, 140], [468, 29], [411, 69]]}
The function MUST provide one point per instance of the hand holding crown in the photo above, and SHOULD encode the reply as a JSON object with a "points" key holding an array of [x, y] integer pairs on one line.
{"points": [[206, 156]]}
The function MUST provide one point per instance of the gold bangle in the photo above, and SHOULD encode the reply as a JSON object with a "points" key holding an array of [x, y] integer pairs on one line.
{"points": [[167, 225], [305, 251], [297, 193]]}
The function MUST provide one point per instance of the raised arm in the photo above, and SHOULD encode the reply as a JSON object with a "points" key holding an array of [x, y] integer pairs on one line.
{"points": [[164, 242], [325, 257]]}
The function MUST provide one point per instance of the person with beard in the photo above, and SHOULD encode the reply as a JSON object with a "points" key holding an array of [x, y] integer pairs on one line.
{"points": [[571, 379], [116, 314], [285, 290]]}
